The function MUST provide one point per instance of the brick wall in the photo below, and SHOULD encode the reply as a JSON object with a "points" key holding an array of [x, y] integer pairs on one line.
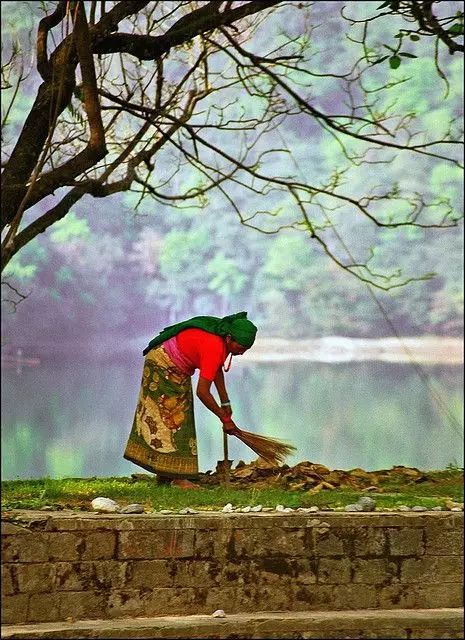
{"points": [[58, 566]]}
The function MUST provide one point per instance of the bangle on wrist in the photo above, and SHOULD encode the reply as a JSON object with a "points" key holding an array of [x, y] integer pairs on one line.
{"points": [[226, 404]]}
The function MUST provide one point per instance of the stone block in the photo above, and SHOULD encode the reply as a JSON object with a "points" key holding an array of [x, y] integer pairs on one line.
{"points": [[81, 605], [64, 546], [73, 576], [334, 571], [328, 543], [34, 548], [99, 545], [8, 585], [35, 577], [10, 549], [162, 544], [354, 596], [433, 569], [150, 574], [197, 573], [175, 601], [369, 541], [253, 543], [110, 574], [434, 596], [14, 608], [397, 596], [43, 607], [312, 597], [126, 603], [440, 542], [373, 571], [218, 545], [406, 542]]}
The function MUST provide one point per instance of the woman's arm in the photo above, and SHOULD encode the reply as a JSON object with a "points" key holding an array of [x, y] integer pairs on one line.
{"points": [[205, 396], [221, 388]]}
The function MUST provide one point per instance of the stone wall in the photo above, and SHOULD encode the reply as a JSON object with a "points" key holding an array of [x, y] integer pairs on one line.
{"points": [[76, 566]]}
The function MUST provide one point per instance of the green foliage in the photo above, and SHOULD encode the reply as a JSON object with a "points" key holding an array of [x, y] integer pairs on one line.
{"points": [[70, 228]]}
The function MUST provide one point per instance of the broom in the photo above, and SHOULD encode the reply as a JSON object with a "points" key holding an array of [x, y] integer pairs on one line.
{"points": [[272, 450]]}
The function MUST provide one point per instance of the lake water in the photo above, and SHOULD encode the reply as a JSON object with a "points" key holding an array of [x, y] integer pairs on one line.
{"points": [[73, 418]]}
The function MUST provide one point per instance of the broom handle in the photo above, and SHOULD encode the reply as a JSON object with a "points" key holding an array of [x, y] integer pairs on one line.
{"points": [[226, 458]]}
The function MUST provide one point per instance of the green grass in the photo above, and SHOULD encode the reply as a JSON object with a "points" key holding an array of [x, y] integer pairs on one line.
{"points": [[77, 493]]}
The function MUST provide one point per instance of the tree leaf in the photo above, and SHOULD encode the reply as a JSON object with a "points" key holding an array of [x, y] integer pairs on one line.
{"points": [[385, 4], [414, 37], [380, 60], [456, 29], [394, 62], [407, 55]]}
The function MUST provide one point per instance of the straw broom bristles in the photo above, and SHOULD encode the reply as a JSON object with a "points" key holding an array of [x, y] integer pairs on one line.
{"points": [[270, 449]]}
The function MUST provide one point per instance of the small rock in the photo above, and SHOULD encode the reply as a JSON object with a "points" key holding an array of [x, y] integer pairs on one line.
{"points": [[305, 510], [257, 508], [457, 509], [165, 511], [367, 503], [183, 512], [439, 508], [353, 507], [419, 507], [191, 510], [46, 507], [219, 613], [246, 509], [403, 507], [314, 509], [105, 505], [268, 509], [287, 509], [228, 508], [133, 508]]}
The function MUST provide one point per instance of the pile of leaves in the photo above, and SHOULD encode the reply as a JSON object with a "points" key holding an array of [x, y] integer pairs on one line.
{"points": [[311, 477]]}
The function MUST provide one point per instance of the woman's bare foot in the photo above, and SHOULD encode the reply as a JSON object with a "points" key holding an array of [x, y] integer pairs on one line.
{"points": [[182, 483]]}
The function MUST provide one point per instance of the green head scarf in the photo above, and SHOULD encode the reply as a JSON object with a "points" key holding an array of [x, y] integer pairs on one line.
{"points": [[237, 326]]}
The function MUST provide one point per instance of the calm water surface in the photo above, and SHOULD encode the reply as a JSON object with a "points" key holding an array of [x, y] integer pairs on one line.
{"points": [[73, 419]]}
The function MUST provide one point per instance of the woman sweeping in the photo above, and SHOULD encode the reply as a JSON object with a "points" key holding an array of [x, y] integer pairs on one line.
{"points": [[162, 439]]}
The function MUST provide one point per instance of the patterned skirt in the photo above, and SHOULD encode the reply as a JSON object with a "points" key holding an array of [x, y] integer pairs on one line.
{"points": [[162, 439]]}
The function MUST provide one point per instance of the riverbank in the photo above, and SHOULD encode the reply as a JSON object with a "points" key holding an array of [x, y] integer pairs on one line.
{"points": [[422, 349]]}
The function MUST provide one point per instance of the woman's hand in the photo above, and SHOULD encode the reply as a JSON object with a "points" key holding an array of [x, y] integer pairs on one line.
{"points": [[230, 428]]}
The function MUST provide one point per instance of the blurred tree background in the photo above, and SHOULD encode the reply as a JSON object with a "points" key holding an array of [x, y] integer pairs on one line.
{"points": [[114, 270]]}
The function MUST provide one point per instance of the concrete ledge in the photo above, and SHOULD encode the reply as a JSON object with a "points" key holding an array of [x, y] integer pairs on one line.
{"points": [[399, 623]]}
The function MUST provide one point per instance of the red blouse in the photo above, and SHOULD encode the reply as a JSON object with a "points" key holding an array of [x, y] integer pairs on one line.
{"points": [[206, 351]]}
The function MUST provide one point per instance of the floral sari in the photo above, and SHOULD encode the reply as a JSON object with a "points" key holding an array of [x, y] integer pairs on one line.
{"points": [[162, 439]]}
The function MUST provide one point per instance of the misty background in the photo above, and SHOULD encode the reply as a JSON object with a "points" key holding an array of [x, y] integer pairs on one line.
{"points": [[109, 276]]}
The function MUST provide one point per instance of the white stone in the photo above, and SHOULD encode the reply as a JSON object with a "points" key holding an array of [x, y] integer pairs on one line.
{"points": [[165, 511], [419, 507], [105, 505], [403, 507], [268, 509], [133, 508], [279, 507], [439, 508], [287, 509], [314, 509], [353, 507], [457, 509], [367, 503], [257, 508], [228, 508], [219, 613], [246, 509]]}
